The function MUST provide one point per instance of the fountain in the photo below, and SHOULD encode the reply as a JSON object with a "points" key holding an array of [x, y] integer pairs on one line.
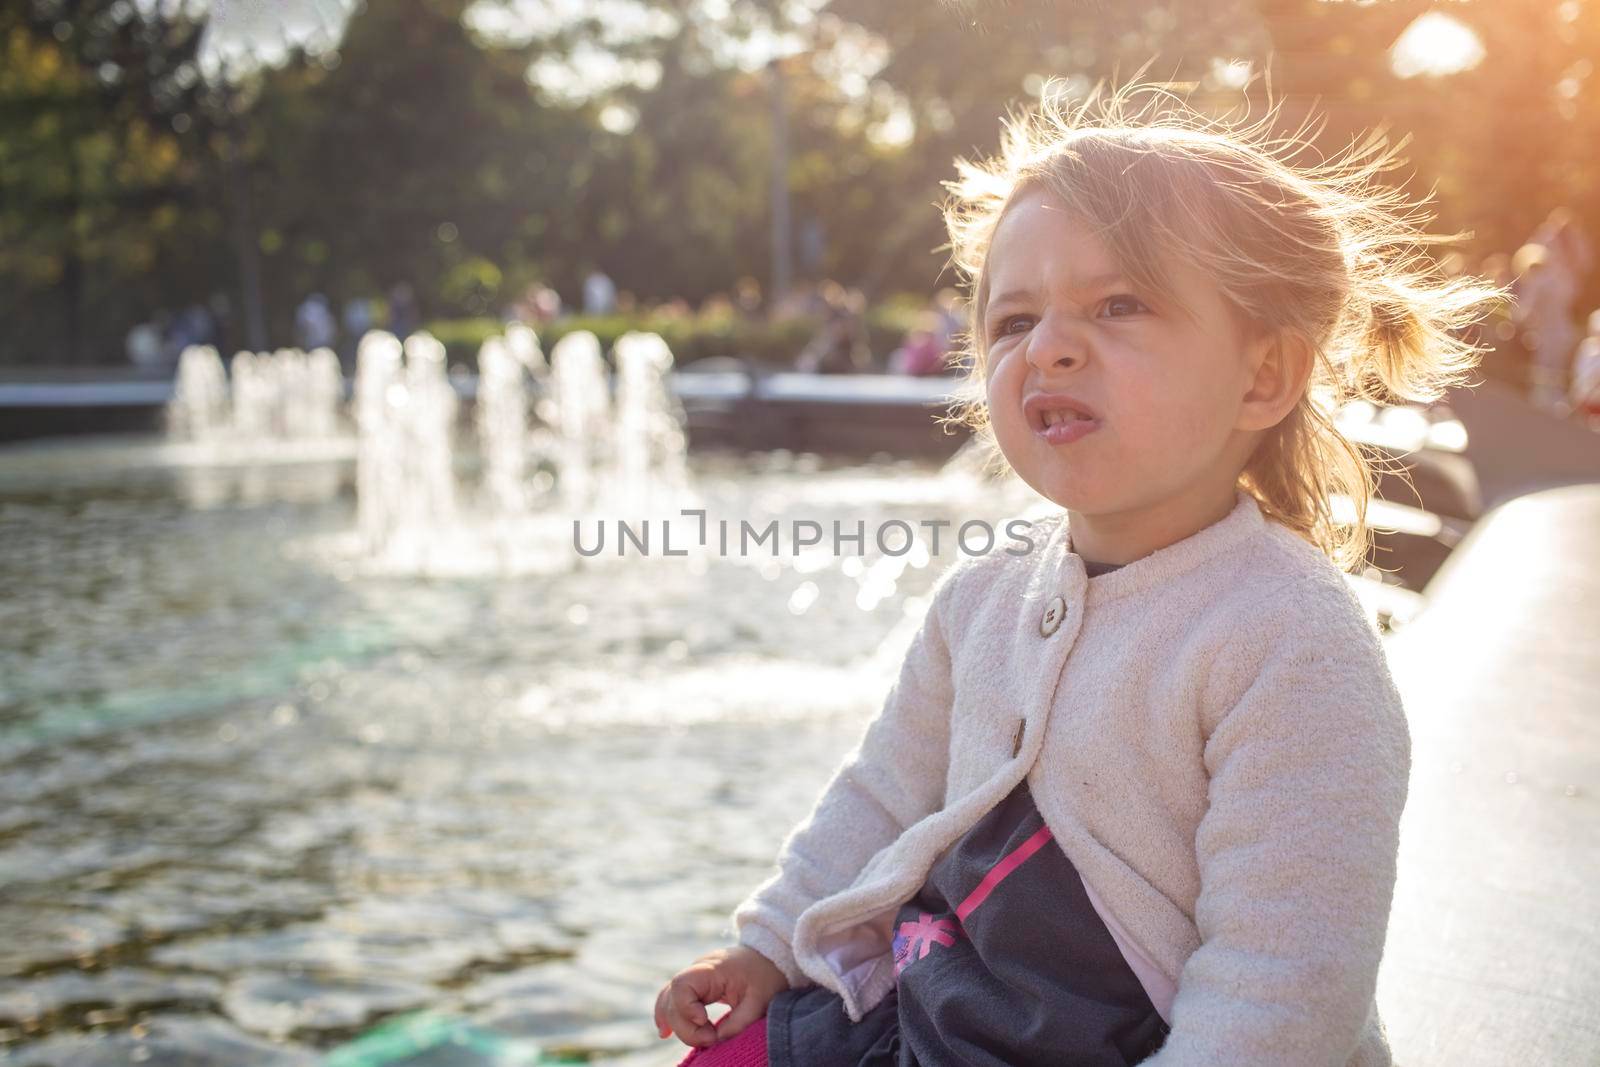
{"points": [[651, 471], [378, 476], [199, 408], [317, 415], [542, 443], [505, 439], [277, 407], [538, 427], [430, 409], [583, 416], [405, 412]]}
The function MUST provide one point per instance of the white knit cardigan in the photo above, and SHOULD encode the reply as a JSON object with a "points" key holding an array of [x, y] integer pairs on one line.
{"points": [[1211, 733]]}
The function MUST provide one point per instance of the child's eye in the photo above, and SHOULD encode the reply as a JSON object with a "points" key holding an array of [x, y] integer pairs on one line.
{"points": [[1004, 326], [1124, 300]]}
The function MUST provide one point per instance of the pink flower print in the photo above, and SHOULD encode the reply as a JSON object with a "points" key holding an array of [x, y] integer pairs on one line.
{"points": [[915, 940]]}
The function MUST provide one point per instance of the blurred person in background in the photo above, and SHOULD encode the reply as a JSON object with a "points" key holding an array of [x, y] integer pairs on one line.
{"points": [[801, 300], [1550, 271], [840, 346], [547, 304], [599, 293], [221, 309], [922, 353], [404, 315], [314, 325], [357, 317], [537, 306], [357, 320], [1569, 245], [1505, 355], [1585, 394], [143, 345], [747, 296], [1542, 315], [192, 326]]}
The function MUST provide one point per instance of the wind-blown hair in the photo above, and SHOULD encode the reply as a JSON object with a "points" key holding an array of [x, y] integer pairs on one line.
{"points": [[1322, 251]]}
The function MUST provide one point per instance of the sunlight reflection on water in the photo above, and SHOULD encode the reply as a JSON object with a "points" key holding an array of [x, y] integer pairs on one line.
{"points": [[258, 794]]}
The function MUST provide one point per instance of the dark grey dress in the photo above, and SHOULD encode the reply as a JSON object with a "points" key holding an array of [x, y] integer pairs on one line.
{"points": [[1000, 961]]}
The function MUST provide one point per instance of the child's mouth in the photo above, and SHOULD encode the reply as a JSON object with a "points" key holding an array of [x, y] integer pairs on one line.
{"points": [[1061, 427]]}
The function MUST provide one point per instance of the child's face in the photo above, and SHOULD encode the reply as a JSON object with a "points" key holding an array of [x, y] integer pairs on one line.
{"points": [[1165, 389]]}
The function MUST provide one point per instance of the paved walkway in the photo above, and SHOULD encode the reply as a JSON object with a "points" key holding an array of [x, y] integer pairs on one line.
{"points": [[1494, 941], [1515, 448]]}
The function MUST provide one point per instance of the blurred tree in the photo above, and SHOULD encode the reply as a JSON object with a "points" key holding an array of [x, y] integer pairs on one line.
{"points": [[1502, 131], [416, 153], [471, 147], [667, 188], [1518, 133], [94, 180], [951, 69]]}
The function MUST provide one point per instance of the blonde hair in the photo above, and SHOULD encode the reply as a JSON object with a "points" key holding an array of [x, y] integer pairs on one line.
{"points": [[1320, 252]]}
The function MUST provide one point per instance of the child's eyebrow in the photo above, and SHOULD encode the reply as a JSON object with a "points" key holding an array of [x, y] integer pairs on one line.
{"points": [[1098, 281]]}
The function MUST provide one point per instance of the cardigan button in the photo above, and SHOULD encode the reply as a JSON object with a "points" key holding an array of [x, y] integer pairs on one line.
{"points": [[1054, 612]]}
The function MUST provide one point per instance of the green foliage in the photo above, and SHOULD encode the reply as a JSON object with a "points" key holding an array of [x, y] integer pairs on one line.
{"points": [[92, 170], [425, 155], [691, 337]]}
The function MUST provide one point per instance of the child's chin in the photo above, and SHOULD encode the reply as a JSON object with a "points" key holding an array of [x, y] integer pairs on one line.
{"points": [[1064, 492]]}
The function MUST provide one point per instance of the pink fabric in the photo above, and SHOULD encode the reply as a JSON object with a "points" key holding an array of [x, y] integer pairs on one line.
{"points": [[1161, 989], [914, 940], [747, 1048]]}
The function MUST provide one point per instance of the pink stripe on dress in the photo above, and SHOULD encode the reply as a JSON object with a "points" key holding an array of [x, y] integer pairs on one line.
{"points": [[999, 871]]}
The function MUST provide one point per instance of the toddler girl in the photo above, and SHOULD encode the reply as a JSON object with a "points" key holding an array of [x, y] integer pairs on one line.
{"points": [[1135, 794]]}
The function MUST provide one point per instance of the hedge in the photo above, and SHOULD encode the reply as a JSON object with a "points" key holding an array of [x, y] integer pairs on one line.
{"points": [[771, 344]]}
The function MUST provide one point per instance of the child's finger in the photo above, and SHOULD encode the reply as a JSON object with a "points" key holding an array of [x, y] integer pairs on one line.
{"points": [[744, 1013], [687, 1014], [662, 1027]]}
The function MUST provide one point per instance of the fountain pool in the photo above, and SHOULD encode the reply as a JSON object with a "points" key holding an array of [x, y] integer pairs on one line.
{"points": [[258, 796]]}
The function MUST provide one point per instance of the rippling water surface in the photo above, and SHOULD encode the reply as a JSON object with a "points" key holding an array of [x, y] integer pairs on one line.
{"points": [[258, 794]]}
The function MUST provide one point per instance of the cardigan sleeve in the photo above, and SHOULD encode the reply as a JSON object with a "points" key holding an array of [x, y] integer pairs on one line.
{"points": [[892, 779], [1297, 848]]}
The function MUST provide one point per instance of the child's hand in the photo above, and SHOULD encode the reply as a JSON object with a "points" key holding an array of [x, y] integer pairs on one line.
{"points": [[739, 977]]}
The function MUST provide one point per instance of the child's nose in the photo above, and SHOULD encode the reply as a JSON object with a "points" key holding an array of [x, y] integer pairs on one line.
{"points": [[1057, 344]]}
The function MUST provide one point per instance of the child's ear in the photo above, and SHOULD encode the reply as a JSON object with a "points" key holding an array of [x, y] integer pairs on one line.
{"points": [[1282, 360]]}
